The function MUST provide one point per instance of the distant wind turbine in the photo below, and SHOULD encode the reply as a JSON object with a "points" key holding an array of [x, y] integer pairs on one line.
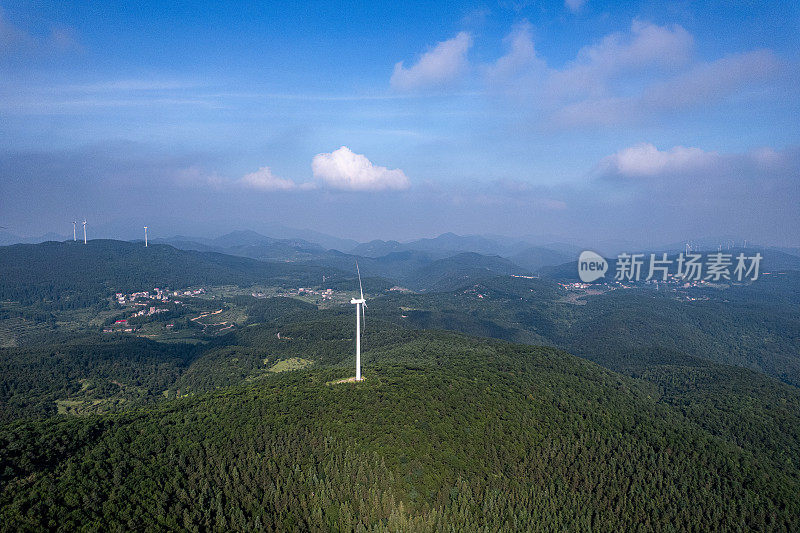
{"points": [[145, 236], [84, 231], [360, 304], [74, 234]]}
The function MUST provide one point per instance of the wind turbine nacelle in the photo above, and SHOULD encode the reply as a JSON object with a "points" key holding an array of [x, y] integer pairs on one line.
{"points": [[357, 300]]}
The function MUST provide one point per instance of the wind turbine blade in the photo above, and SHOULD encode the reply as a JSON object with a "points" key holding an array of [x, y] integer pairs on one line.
{"points": [[363, 317], [360, 288]]}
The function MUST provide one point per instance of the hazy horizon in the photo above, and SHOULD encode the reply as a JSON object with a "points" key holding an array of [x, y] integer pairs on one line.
{"points": [[609, 246]]}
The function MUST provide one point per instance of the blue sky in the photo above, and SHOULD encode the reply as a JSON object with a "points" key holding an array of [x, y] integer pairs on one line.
{"points": [[572, 120]]}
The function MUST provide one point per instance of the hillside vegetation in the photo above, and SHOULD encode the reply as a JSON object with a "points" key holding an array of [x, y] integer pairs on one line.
{"points": [[445, 433], [756, 327], [242, 421], [64, 275]]}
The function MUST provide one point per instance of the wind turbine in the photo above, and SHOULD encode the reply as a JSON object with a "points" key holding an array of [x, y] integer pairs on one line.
{"points": [[84, 231], [145, 236], [74, 235], [360, 304]]}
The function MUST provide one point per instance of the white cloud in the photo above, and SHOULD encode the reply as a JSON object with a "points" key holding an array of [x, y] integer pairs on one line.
{"points": [[264, 180], [521, 53], [441, 65], [703, 84], [345, 170], [703, 191], [574, 5], [341, 169], [635, 76], [648, 47], [626, 77], [712, 80], [645, 160]]}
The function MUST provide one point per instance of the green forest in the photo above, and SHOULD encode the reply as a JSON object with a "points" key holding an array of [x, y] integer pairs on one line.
{"points": [[474, 414], [446, 432]]}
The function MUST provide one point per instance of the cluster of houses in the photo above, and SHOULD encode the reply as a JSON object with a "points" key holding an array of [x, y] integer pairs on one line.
{"points": [[193, 292], [672, 282], [575, 286], [150, 312], [119, 326], [326, 294], [156, 294], [144, 300]]}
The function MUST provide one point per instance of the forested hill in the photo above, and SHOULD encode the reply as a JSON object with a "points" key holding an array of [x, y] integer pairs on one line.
{"points": [[755, 326], [73, 274], [446, 433]]}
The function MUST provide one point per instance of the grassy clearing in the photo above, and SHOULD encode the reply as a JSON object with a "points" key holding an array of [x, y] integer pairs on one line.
{"points": [[88, 407], [293, 363]]}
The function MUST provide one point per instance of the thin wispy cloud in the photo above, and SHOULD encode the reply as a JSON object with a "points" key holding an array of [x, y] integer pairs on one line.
{"points": [[132, 85], [15, 40], [575, 5], [645, 160], [264, 180], [647, 48], [521, 55], [70, 99], [626, 77], [345, 97], [439, 66]]}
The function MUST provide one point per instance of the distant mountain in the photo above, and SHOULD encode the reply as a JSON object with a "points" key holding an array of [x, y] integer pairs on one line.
{"points": [[706, 243], [565, 248], [185, 243], [774, 260], [451, 242], [794, 250], [242, 238], [376, 248], [448, 244], [458, 270], [406, 266], [329, 242], [250, 244], [7, 238], [283, 250], [76, 275], [123, 230], [537, 257], [394, 266], [609, 247]]}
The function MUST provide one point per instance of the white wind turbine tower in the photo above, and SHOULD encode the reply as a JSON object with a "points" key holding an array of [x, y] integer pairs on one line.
{"points": [[145, 236], [84, 231], [74, 234], [360, 304]]}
